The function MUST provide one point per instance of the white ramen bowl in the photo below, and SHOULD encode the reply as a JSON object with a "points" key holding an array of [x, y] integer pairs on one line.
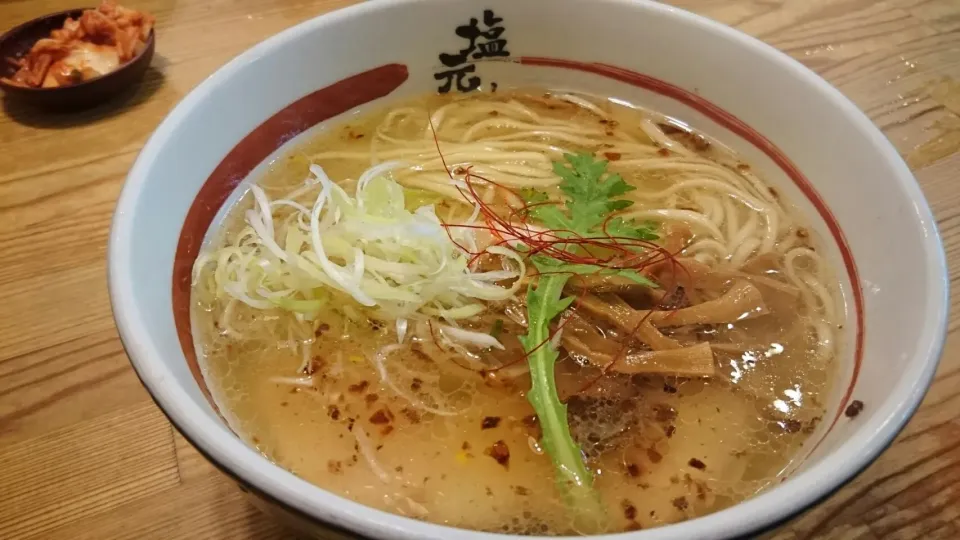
{"points": [[812, 144]]}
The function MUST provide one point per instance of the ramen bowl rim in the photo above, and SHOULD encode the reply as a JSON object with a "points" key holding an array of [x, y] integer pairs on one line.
{"points": [[234, 457]]}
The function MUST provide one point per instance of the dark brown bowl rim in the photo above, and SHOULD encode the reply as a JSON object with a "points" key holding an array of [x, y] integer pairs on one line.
{"points": [[67, 13]]}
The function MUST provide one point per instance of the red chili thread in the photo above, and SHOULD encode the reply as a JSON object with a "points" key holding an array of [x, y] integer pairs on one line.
{"points": [[556, 244]]}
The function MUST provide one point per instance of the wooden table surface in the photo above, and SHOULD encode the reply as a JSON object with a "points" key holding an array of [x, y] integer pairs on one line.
{"points": [[84, 453]]}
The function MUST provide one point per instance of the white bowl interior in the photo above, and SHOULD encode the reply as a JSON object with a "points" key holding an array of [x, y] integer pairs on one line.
{"points": [[851, 165]]}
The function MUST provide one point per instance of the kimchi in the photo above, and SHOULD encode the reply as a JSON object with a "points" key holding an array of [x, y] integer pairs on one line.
{"points": [[98, 42]]}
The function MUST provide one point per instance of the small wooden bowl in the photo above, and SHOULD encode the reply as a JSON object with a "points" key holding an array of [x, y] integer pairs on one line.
{"points": [[18, 41]]}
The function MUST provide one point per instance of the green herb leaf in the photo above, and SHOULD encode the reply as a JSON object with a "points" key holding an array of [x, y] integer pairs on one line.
{"points": [[533, 196], [628, 228], [551, 266], [544, 303], [590, 191], [633, 275], [591, 197]]}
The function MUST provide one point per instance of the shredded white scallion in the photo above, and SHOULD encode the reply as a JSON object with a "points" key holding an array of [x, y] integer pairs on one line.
{"points": [[296, 255], [555, 340], [366, 450], [467, 336], [305, 359], [304, 382], [401, 330]]}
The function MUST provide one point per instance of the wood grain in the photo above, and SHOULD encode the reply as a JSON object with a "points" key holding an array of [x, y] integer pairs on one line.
{"points": [[84, 453]]}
